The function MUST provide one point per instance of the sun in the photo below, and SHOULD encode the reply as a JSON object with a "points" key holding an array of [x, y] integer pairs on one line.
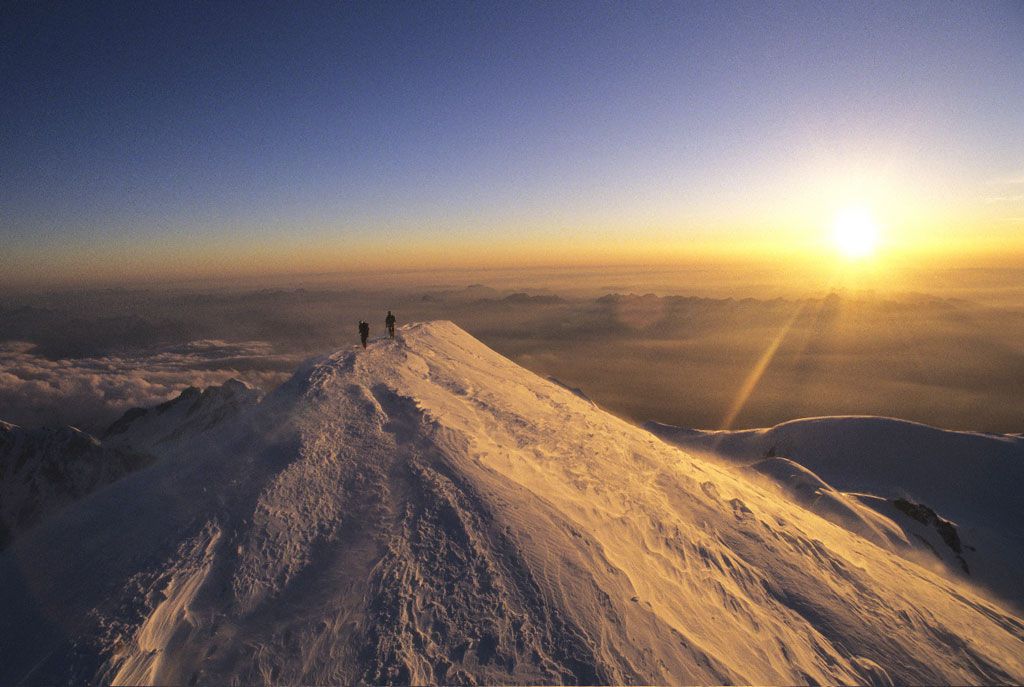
{"points": [[855, 233]]}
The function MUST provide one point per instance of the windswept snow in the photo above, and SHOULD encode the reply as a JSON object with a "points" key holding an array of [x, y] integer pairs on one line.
{"points": [[574, 389], [846, 510], [971, 480], [974, 477], [427, 511]]}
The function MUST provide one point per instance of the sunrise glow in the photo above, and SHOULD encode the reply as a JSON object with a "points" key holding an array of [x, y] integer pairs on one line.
{"points": [[855, 233]]}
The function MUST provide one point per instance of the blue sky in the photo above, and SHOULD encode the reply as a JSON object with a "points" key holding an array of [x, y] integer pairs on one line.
{"points": [[159, 125]]}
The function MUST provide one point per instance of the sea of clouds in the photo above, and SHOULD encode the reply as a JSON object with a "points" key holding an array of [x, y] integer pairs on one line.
{"points": [[83, 358], [93, 391]]}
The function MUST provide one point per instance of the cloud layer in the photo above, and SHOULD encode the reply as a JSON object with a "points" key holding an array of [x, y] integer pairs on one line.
{"points": [[90, 392], [82, 358]]}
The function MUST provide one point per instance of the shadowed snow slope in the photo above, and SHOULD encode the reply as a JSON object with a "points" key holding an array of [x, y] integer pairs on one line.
{"points": [[44, 470], [427, 511]]}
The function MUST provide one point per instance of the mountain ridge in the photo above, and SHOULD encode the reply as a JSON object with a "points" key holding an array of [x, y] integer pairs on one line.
{"points": [[427, 511], [967, 479]]}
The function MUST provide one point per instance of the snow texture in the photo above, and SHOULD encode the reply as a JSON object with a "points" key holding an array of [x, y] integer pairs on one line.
{"points": [[869, 465], [427, 511]]}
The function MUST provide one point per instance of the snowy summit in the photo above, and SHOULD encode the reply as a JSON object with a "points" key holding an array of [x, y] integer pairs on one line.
{"points": [[426, 511]]}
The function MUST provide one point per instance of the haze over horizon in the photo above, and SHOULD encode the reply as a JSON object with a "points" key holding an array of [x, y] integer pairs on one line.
{"points": [[148, 142]]}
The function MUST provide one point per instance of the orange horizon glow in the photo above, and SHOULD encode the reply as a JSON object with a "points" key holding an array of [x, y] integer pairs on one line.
{"points": [[135, 261]]}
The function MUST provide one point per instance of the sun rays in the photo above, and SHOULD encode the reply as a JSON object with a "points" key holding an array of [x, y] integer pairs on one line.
{"points": [[754, 377]]}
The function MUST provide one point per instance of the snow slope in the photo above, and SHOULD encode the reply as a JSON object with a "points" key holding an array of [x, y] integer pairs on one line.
{"points": [[427, 511], [43, 470], [971, 480], [975, 477], [183, 418], [846, 510]]}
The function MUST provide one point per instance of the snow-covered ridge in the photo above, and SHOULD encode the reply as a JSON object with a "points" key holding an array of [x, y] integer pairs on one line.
{"points": [[44, 470], [974, 476], [427, 511], [970, 480], [192, 412]]}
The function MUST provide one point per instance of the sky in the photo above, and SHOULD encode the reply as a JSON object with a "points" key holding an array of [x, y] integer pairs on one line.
{"points": [[145, 140]]}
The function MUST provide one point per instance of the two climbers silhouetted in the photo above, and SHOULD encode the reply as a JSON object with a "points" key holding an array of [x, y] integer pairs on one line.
{"points": [[364, 328], [389, 322]]}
